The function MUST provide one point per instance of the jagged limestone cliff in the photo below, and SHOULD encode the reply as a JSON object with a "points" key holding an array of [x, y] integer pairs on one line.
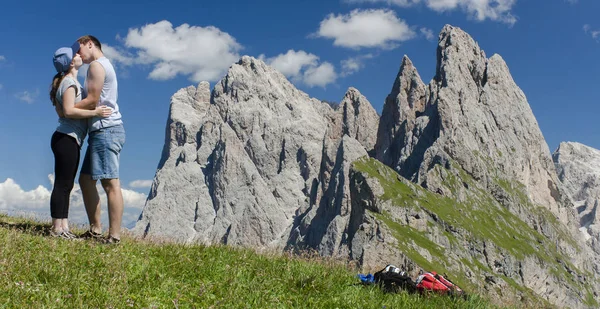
{"points": [[470, 135], [465, 184], [252, 162], [578, 168]]}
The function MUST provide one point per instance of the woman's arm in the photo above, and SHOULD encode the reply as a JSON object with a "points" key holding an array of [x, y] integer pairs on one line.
{"points": [[70, 111]]}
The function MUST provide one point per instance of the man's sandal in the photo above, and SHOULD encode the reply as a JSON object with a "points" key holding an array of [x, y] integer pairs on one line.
{"points": [[110, 240], [89, 234]]}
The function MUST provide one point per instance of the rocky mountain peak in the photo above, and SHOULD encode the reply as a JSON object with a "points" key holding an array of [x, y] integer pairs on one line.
{"points": [[578, 168], [472, 112], [257, 162], [188, 106], [472, 129], [251, 163], [459, 58], [359, 118], [397, 136]]}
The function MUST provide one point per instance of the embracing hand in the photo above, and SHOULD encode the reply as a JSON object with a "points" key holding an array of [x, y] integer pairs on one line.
{"points": [[103, 111]]}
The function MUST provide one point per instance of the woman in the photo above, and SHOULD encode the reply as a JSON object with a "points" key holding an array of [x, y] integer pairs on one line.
{"points": [[67, 139]]}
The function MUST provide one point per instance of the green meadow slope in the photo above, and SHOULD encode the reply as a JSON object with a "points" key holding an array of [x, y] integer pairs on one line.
{"points": [[38, 271]]}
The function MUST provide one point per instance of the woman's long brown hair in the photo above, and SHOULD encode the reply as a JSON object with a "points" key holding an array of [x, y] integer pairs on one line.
{"points": [[54, 86]]}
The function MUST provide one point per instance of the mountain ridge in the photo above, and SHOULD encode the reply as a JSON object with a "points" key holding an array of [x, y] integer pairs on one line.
{"points": [[257, 162]]}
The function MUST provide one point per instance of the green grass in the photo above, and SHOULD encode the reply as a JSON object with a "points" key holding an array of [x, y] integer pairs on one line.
{"points": [[407, 235], [38, 271], [518, 191], [479, 215], [590, 301]]}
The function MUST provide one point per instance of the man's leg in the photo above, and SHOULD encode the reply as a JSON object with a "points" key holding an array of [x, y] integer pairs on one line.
{"points": [[112, 187], [91, 200], [114, 139]]}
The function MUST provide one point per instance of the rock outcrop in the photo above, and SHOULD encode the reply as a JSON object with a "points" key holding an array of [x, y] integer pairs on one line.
{"points": [[356, 118], [206, 188], [403, 121], [578, 168], [473, 112], [254, 161]]}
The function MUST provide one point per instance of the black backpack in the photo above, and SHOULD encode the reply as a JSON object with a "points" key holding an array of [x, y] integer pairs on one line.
{"points": [[392, 279]]}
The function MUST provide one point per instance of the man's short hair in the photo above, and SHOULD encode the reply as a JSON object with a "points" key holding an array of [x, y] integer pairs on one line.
{"points": [[86, 38]]}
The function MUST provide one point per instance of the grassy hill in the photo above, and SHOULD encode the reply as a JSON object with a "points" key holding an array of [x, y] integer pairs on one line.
{"points": [[38, 271]]}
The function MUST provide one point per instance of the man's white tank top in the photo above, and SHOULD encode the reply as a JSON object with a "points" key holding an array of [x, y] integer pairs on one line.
{"points": [[108, 97]]}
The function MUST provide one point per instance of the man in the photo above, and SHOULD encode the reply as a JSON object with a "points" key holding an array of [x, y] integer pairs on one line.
{"points": [[105, 141]]}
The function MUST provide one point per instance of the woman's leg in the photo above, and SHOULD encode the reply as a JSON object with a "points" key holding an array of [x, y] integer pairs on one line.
{"points": [[65, 221], [66, 161], [57, 226], [65, 224]]}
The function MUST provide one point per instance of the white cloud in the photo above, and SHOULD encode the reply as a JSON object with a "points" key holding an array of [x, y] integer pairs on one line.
{"points": [[303, 67], [2, 58], [36, 202], [140, 184], [1, 86], [321, 76], [12, 196], [291, 63], [354, 64], [27, 96], [594, 33], [365, 28], [402, 3], [117, 55], [496, 10], [351, 66], [202, 53], [427, 33]]}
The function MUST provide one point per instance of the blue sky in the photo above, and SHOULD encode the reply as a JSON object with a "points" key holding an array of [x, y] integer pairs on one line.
{"points": [[323, 47]]}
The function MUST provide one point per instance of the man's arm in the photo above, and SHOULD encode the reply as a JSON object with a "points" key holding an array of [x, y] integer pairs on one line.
{"points": [[70, 111], [95, 82]]}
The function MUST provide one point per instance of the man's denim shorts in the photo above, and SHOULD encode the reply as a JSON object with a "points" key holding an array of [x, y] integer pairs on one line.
{"points": [[101, 159]]}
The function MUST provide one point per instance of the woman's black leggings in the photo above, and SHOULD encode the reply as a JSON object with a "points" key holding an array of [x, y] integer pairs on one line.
{"points": [[66, 161]]}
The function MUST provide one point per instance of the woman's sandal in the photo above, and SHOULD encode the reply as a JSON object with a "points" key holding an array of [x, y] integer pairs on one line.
{"points": [[64, 235]]}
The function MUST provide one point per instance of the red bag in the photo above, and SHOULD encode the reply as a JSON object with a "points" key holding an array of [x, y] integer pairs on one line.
{"points": [[436, 283]]}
